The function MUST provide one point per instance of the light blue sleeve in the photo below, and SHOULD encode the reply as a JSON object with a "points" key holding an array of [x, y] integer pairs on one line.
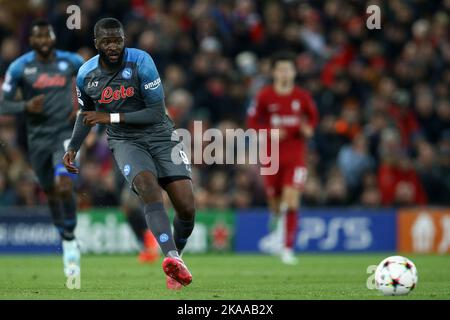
{"points": [[84, 101], [76, 60], [9, 88], [12, 79], [150, 82]]}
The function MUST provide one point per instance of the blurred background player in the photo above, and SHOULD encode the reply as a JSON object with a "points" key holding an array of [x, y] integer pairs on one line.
{"points": [[45, 79], [124, 87], [290, 109]]}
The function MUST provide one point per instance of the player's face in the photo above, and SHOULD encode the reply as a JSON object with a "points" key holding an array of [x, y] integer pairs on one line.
{"points": [[42, 40], [110, 44], [284, 72]]}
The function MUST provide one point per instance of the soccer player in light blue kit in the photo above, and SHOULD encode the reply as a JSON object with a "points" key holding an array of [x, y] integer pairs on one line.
{"points": [[121, 88], [45, 77]]}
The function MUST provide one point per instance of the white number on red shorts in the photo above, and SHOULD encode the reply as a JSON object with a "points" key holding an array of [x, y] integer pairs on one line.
{"points": [[300, 175]]}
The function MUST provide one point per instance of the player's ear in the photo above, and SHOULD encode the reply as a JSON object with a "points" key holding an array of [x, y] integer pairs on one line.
{"points": [[95, 43], [31, 41]]}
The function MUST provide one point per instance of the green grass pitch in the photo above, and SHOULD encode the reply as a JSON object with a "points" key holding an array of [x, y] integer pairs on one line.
{"points": [[334, 276]]}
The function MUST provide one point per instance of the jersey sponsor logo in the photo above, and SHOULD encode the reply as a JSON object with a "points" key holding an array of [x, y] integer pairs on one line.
{"points": [[152, 85], [30, 70], [127, 73], [45, 81], [277, 120], [108, 94], [63, 65]]}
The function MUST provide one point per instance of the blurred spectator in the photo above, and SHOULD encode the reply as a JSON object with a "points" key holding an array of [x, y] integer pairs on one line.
{"points": [[179, 107], [7, 195], [354, 160], [370, 195], [328, 143], [25, 189], [312, 194], [443, 167], [398, 181], [336, 193], [429, 173]]}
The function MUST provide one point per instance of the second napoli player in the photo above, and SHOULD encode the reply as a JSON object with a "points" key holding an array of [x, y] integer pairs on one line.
{"points": [[45, 77], [121, 88]]}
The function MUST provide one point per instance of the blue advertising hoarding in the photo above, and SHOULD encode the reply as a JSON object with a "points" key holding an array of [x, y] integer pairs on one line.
{"points": [[320, 230], [323, 230], [28, 231]]}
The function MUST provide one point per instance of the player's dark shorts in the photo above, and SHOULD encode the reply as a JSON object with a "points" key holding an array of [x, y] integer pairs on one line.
{"points": [[46, 161], [165, 158]]}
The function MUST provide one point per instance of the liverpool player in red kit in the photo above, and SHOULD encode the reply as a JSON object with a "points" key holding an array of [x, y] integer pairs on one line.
{"points": [[290, 109]]}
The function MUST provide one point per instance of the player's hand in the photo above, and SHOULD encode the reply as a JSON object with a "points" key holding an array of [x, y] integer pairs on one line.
{"points": [[306, 130], [92, 118], [35, 104], [68, 159]]}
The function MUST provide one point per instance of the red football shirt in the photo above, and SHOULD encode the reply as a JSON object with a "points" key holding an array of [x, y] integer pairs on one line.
{"points": [[270, 110]]}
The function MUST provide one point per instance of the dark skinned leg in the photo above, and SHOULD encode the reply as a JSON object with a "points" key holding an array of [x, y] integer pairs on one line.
{"points": [[56, 211], [182, 196], [64, 188]]}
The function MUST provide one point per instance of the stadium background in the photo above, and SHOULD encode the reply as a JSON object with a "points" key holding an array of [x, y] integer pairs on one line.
{"points": [[379, 163]]}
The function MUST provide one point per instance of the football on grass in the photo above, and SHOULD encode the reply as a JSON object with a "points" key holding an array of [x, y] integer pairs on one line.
{"points": [[396, 276]]}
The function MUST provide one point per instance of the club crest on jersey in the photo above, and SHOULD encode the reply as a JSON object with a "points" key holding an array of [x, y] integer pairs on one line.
{"points": [[63, 65], [126, 169], [163, 237], [295, 105], [127, 73], [109, 95]]}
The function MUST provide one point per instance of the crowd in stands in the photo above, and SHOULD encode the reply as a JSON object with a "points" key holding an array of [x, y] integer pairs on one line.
{"points": [[383, 95]]}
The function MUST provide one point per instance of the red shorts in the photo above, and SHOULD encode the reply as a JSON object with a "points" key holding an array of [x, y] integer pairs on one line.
{"points": [[287, 176]]}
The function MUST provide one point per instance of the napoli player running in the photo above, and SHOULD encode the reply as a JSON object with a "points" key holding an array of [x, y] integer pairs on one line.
{"points": [[290, 109], [45, 77], [122, 85]]}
